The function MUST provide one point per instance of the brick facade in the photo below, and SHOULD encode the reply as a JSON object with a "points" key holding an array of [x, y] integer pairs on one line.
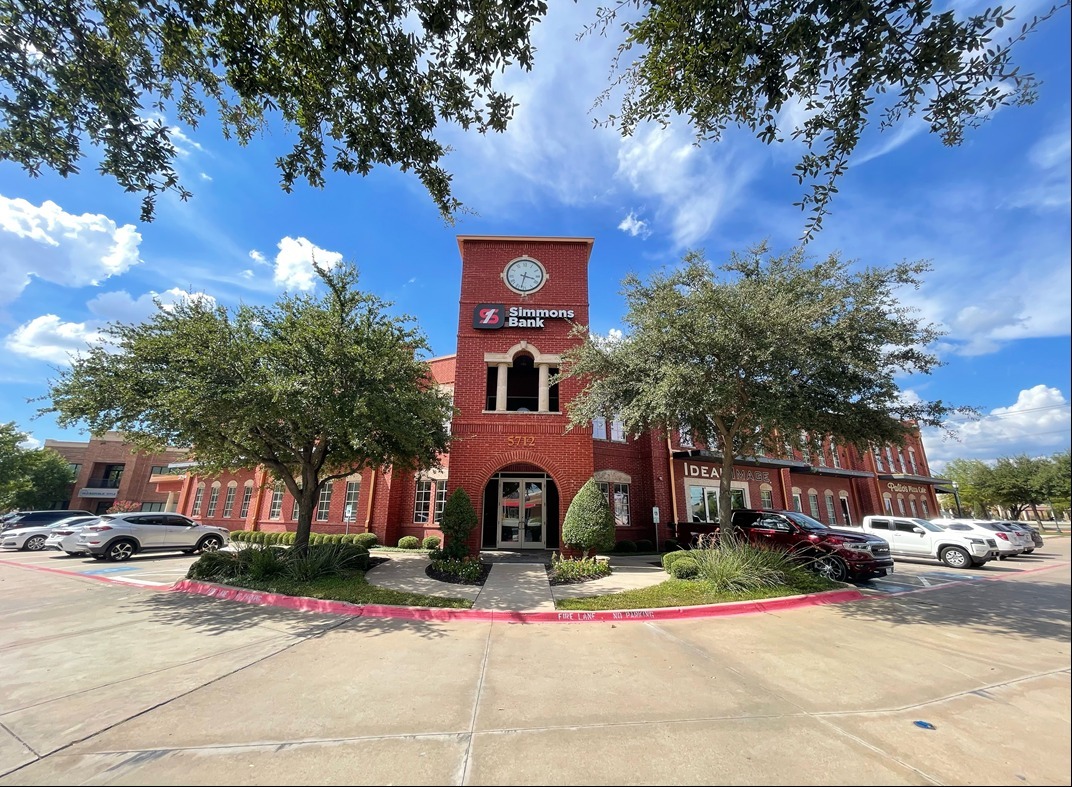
{"points": [[533, 442]]}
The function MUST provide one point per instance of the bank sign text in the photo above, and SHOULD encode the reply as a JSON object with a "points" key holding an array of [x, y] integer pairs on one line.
{"points": [[491, 316]]}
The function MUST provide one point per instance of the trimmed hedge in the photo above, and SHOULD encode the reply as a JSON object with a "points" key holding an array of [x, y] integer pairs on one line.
{"points": [[366, 540], [409, 542], [672, 557], [431, 542], [625, 546], [670, 545], [589, 522], [685, 568]]}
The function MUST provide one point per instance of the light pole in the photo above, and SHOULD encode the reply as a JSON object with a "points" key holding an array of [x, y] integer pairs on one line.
{"points": [[956, 497]]}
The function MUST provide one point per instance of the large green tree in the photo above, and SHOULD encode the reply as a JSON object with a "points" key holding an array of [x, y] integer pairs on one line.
{"points": [[30, 478], [761, 350], [367, 82], [314, 388], [1019, 483], [1057, 483], [975, 486]]}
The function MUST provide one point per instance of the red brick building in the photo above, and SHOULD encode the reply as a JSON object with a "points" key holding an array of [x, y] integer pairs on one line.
{"points": [[511, 452], [108, 470]]}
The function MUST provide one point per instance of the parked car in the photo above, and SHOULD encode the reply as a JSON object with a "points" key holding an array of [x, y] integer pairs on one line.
{"points": [[48, 517], [32, 538], [64, 534], [912, 537], [118, 536], [1009, 544], [836, 554], [1029, 536]]}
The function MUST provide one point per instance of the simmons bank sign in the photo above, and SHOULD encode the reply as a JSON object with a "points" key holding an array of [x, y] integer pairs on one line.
{"points": [[491, 316]]}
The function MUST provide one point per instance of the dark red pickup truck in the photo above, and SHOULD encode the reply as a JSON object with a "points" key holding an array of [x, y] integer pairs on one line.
{"points": [[836, 554]]}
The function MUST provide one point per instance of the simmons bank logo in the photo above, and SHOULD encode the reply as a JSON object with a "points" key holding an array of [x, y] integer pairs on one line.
{"points": [[489, 316]]}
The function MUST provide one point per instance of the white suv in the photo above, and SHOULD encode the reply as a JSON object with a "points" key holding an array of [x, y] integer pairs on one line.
{"points": [[1008, 541], [118, 536]]}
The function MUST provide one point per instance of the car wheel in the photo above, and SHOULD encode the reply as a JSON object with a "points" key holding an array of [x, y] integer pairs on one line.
{"points": [[34, 544], [120, 551], [832, 568], [210, 544], [955, 557]]}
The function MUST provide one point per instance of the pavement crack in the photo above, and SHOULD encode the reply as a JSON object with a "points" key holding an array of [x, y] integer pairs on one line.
{"points": [[467, 759]]}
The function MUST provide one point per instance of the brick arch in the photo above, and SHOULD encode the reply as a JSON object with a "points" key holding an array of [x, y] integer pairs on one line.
{"points": [[519, 455]]}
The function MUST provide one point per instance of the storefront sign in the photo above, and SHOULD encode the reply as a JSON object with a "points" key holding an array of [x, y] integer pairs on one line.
{"points": [[103, 493], [919, 490], [739, 474], [492, 316]]}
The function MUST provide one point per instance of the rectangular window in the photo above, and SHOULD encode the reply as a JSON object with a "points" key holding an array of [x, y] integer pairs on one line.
{"points": [[684, 437], [228, 502], [152, 506], [703, 503], [323, 505], [822, 457], [294, 510], [599, 428], [926, 513], [247, 494], [199, 495], [422, 501], [213, 499], [880, 524], [617, 431], [912, 460], [797, 504], [889, 459], [900, 456], [813, 504], [75, 468], [621, 505], [276, 510], [900, 506], [831, 512], [878, 461], [440, 500], [887, 504], [353, 491], [912, 506], [834, 455], [450, 418], [766, 498], [158, 470]]}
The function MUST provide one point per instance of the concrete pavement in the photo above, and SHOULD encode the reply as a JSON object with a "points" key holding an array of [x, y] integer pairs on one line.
{"points": [[110, 685]]}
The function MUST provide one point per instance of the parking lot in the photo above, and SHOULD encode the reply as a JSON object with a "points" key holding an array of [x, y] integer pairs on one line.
{"points": [[155, 571]]}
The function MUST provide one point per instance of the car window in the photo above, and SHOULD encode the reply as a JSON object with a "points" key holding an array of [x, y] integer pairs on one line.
{"points": [[178, 521], [144, 520], [771, 522], [880, 524], [926, 525], [903, 526], [959, 527], [805, 521]]}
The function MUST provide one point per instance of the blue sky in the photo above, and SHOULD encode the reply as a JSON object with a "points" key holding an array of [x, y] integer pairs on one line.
{"points": [[992, 216]]}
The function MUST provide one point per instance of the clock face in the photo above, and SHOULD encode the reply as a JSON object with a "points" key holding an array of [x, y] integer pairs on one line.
{"points": [[524, 275]]}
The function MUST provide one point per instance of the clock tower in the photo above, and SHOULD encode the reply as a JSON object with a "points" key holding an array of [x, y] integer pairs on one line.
{"points": [[520, 299]]}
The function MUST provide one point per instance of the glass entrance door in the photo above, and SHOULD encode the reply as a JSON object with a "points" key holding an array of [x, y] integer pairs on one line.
{"points": [[521, 513]]}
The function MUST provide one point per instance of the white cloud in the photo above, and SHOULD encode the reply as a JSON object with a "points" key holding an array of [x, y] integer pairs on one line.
{"points": [[59, 247], [48, 338], [182, 143], [1049, 187], [206, 176], [294, 262], [31, 443], [1038, 423], [634, 226], [258, 258], [120, 306]]}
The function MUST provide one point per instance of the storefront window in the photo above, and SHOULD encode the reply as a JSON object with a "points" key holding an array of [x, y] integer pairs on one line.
{"points": [[353, 490], [440, 499], [621, 505], [422, 501]]}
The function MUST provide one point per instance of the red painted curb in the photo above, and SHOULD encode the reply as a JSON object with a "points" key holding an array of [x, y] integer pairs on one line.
{"points": [[507, 616]]}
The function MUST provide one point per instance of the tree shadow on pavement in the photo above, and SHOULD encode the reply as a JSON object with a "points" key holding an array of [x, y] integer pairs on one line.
{"points": [[1031, 610], [214, 616]]}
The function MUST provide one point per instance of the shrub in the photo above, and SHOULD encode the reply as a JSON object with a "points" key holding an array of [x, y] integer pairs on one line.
{"points": [[431, 542], [238, 535], [685, 568], [323, 560], [625, 546], [290, 538], [643, 545], [671, 557], [409, 542], [263, 563], [670, 545], [366, 540], [348, 538], [466, 569], [316, 538], [459, 519], [736, 565], [589, 523], [580, 570], [216, 566]]}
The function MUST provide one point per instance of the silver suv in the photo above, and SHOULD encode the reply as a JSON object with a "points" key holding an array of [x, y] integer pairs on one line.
{"points": [[118, 536]]}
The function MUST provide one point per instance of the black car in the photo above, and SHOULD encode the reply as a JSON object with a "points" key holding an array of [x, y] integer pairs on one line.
{"points": [[27, 518]]}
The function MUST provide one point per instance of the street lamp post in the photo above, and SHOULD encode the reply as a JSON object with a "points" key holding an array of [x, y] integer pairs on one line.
{"points": [[956, 497]]}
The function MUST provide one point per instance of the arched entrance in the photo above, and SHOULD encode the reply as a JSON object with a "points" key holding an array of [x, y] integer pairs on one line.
{"points": [[520, 509]]}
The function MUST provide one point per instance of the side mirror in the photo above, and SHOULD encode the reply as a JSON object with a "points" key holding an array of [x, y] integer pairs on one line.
{"points": [[918, 529]]}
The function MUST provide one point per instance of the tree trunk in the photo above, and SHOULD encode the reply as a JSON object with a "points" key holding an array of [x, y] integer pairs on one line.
{"points": [[725, 499], [1038, 519], [310, 494]]}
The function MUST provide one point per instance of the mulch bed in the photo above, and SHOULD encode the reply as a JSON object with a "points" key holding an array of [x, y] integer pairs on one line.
{"points": [[454, 579]]}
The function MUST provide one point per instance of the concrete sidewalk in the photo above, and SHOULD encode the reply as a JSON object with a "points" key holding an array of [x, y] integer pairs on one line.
{"points": [[515, 586]]}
